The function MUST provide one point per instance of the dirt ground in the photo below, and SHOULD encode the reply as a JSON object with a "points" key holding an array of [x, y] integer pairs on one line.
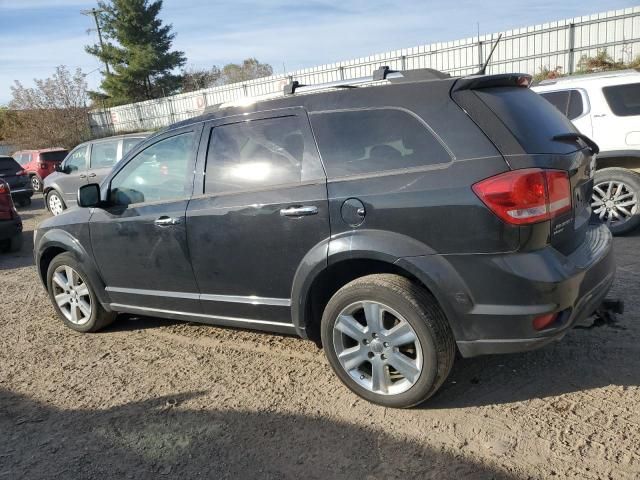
{"points": [[150, 398]]}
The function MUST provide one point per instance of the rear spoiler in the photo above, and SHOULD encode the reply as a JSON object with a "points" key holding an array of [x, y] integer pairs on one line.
{"points": [[475, 82]]}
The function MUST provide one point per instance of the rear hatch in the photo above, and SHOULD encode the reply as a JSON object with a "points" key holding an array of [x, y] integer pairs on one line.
{"points": [[12, 173], [532, 133], [49, 160]]}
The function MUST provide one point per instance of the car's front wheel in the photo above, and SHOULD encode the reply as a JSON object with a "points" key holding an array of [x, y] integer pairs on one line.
{"points": [[74, 297], [55, 203], [388, 340]]}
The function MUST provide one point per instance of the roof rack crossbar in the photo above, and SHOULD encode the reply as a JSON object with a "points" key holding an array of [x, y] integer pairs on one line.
{"points": [[382, 73]]}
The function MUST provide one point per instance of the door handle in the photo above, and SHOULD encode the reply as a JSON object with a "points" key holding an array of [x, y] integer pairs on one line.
{"points": [[600, 115], [92, 174], [299, 211], [166, 221], [82, 175]]}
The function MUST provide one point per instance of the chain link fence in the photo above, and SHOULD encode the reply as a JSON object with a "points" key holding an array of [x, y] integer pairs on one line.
{"points": [[555, 44]]}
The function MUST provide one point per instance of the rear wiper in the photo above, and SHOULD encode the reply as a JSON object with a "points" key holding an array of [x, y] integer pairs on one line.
{"points": [[573, 136]]}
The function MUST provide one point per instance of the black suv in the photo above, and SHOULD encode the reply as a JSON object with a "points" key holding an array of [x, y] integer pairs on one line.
{"points": [[392, 222]]}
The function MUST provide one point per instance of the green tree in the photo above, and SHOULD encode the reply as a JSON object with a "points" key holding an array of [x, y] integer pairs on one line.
{"points": [[138, 50], [249, 69]]}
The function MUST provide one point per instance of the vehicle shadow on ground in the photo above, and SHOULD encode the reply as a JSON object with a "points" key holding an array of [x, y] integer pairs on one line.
{"points": [[36, 207], [128, 323], [21, 259], [164, 438]]}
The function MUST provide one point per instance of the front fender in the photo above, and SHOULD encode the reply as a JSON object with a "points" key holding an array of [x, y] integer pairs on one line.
{"points": [[57, 239]]}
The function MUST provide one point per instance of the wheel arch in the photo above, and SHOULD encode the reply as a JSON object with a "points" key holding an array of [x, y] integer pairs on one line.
{"points": [[327, 268], [629, 159], [55, 242]]}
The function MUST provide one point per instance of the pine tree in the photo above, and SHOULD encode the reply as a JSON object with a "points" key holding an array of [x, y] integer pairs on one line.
{"points": [[138, 51]]}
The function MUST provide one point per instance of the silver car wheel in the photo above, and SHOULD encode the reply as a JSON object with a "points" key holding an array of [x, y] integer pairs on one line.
{"points": [[71, 294], [55, 204], [35, 183], [614, 202], [378, 348]]}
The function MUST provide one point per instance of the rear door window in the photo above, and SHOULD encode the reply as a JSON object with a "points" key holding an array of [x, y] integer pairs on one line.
{"points": [[257, 154], [129, 143], [104, 154], [8, 166], [532, 120], [357, 142], [624, 100], [56, 156]]}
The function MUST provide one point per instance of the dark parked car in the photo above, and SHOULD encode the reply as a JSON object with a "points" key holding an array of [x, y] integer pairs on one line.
{"points": [[18, 180], [10, 222], [392, 224], [88, 162], [39, 164]]}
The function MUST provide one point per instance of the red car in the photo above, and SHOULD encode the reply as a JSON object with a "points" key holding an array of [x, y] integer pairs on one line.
{"points": [[40, 163]]}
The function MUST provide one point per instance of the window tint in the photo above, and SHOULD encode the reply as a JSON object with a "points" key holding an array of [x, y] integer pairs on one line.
{"points": [[365, 141], [56, 156], [77, 160], [9, 166], [569, 102], [160, 172], [255, 154], [129, 143], [624, 100], [104, 154], [532, 120]]}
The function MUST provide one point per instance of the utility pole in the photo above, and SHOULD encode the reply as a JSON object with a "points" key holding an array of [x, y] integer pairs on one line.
{"points": [[95, 12]]}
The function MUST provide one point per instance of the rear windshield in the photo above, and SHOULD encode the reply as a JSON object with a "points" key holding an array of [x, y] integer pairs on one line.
{"points": [[531, 119], [8, 165], [56, 156]]}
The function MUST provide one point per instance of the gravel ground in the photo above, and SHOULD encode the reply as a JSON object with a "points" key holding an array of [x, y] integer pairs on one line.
{"points": [[150, 398]]}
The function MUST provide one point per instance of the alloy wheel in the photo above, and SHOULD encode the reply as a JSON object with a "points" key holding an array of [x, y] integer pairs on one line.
{"points": [[55, 204], [378, 348], [614, 202], [71, 293], [35, 183]]}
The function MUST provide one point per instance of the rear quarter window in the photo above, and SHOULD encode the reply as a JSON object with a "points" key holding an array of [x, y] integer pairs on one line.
{"points": [[624, 100], [9, 165], [357, 142], [532, 120], [56, 156]]}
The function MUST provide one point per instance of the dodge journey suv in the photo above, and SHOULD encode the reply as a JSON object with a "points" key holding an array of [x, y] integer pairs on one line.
{"points": [[393, 222]]}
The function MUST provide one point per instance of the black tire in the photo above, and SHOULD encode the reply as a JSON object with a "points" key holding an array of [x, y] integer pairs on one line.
{"points": [[54, 193], [632, 181], [36, 183], [99, 317], [421, 310]]}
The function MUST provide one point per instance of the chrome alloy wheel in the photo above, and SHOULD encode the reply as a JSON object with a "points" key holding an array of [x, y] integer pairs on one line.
{"points": [[35, 183], [614, 202], [72, 295], [55, 204], [377, 347]]}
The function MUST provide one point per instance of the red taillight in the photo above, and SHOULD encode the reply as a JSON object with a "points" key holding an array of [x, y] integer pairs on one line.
{"points": [[7, 210], [43, 165], [522, 197]]}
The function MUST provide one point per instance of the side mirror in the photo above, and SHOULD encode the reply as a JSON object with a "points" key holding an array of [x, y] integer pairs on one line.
{"points": [[89, 195], [58, 167]]}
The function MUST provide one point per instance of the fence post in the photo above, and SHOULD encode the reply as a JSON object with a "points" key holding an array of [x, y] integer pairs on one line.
{"points": [[403, 62], [139, 115], [480, 59], [341, 72], [572, 45], [171, 113]]}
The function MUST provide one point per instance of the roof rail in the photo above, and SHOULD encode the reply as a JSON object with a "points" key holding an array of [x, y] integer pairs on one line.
{"points": [[382, 73]]}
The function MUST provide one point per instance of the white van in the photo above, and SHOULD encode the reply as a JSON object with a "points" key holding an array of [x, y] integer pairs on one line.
{"points": [[606, 107]]}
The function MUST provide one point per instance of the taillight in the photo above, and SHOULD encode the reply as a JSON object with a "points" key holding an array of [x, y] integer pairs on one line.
{"points": [[522, 197], [7, 210], [43, 165]]}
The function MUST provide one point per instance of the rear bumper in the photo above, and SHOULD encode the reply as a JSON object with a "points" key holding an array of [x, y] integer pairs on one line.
{"points": [[494, 298]]}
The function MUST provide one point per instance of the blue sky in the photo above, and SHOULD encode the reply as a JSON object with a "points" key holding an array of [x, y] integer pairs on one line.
{"points": [[37, 35]]}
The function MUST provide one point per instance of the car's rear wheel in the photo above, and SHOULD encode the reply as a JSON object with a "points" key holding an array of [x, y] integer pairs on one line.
{"points": [[388, 340], [615, 199], [74, 297], [55, 203], [36, 183]]}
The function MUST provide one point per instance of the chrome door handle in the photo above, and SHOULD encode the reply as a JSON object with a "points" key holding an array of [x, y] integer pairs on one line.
{"points": [[92, 174], [165, 221], [298, 211], [83, 175]]}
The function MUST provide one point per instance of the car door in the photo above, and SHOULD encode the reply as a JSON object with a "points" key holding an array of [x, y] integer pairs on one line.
{"points": [[616, 122], [263, 207], [104, 155], [73, 174], [139, 239]]}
